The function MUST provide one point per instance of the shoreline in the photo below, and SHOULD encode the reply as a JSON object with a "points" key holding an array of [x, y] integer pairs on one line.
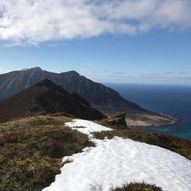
{"points": [[150, 121]]}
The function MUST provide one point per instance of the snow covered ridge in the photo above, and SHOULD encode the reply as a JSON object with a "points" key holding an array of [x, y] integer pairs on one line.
{"points": [[113, 163]]}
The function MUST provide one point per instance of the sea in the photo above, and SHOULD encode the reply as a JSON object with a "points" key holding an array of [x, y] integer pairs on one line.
{"points": [[171, 100]]}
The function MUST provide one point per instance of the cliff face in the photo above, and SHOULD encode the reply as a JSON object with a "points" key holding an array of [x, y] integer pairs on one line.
{"points": [[46, 98], [98, 95]]}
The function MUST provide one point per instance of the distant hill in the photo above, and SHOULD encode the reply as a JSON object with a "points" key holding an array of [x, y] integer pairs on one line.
{"points": [[46, 98], [98, 95]]}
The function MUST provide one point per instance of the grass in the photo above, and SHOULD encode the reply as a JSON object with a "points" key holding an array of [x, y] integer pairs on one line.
{"points": [[177, 145], [139, 187], [31, 151]]}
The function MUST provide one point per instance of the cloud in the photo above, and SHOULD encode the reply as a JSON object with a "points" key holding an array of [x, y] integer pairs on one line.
{"points": [[37, 21], [171, 77], [108, 76]]}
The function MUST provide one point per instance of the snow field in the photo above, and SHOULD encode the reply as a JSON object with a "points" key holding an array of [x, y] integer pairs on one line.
{"points": [[113, 163]]}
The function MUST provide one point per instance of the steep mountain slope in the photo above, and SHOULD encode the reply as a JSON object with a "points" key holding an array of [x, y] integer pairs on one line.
{"points": [[46, 98], [98, 95]]}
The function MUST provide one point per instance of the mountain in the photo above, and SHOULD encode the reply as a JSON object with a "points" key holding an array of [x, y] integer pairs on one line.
{"points": [[99, 96], [46, 98]]}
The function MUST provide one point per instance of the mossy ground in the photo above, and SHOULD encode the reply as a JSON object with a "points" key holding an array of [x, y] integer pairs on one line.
{"points": [[31, 151]]}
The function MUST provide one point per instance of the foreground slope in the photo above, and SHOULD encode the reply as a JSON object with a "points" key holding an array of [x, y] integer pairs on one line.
{"points": [[118, 161], [46, 98], [31, 150], [98, 95]]}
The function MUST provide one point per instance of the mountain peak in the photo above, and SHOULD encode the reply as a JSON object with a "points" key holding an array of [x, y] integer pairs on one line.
{"points": [[32, 69], [98, 95], [45, 98], [50, 85], [45, 82], [73, 72], [36, 69]]}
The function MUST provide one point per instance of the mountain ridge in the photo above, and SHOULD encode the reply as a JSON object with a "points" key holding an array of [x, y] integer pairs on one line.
{"points": [[46, 98], [99, 96]]}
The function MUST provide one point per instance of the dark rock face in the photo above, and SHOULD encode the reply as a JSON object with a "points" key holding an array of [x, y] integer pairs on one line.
{"points": [[98, 95], [46, 98]]}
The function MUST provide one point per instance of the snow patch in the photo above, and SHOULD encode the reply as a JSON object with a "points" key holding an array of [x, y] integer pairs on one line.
{"points": [[86, 127], [113, 163]]}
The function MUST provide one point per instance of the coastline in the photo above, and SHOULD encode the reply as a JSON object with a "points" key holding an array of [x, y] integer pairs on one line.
{"points": [[149, 121]]}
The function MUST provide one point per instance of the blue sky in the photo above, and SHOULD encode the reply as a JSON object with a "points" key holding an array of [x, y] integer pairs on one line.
{"points": [[157, 53]]}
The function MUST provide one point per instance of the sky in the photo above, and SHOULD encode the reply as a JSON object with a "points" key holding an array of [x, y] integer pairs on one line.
{"points": [[109, 41]]}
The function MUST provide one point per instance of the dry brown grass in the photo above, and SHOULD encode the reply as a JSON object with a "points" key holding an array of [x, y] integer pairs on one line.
{"points": [[31, 151]]}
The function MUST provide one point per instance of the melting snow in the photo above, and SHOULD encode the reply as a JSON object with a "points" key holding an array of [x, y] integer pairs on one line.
{"points": [[86, 127], [113, 163]]}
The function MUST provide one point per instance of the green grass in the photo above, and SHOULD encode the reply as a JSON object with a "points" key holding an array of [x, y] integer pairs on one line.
{"points": [[139, 187], [177, 145], [31, 151]]}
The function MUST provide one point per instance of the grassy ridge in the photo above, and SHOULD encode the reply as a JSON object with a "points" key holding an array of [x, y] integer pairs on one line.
{"points": [[31, 151]]}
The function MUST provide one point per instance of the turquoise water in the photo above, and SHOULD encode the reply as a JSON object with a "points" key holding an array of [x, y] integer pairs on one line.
{"points": [[170, 100]]}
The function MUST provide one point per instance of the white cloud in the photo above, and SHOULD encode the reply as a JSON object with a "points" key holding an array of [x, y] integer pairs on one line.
{"points": [[109, 76], [36, 21]]}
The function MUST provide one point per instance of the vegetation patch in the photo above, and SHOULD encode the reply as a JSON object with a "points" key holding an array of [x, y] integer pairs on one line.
{"points": [[177, 145], [139, 187], [31, 151]]}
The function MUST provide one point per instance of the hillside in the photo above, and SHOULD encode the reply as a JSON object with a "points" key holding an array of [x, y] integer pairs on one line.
{"points": [[98, 95], [46, 98], [32, 150]]}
